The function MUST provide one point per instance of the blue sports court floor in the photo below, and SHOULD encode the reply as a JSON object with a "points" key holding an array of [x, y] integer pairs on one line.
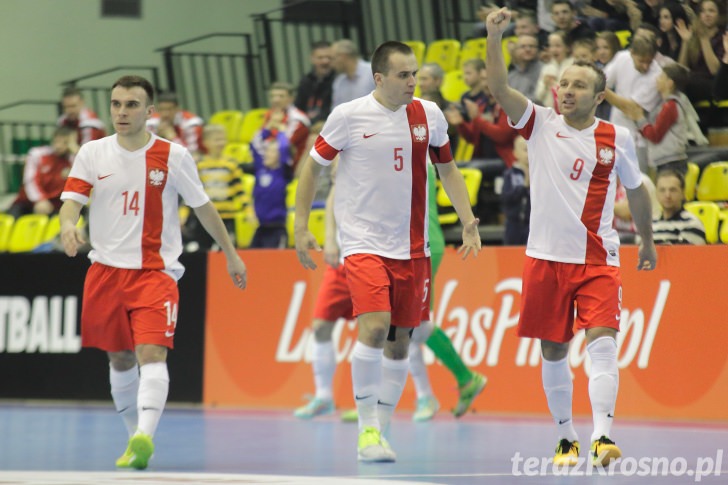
{"points": [[77, 444]]}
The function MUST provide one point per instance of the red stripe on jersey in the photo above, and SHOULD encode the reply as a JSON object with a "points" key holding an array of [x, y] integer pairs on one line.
{"points": [[157, 158], [441, 154], [420, 137], [324, 149], [78, 186], [596, 195], [527, 129]]}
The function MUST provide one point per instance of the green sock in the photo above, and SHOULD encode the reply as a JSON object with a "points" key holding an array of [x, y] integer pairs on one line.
{"points": [[441, 345]]}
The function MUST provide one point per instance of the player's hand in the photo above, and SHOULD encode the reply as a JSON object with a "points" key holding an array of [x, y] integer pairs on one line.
{"points": [[498, 21], [453, 115], [237, 271], [331, 255], [471, 107], [304, 242], [44, 206], [471, 239], [647, 257], [72, 238]]}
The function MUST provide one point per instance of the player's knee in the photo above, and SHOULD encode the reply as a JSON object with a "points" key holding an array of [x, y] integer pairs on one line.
{"points": [[553, 351], [322, 330], [122, 361], [423, 332]]}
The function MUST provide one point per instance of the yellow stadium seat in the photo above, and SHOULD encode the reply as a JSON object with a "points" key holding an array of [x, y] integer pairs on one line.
{"points": [[464, 151], [723, 226], [28, 232], [53, 228], [291, 193], [691, 180], [240, 152], [248, 186], [444, 52], [453, 86], [713, 185], [473, 49], [231, 120], [473, 178], [245, 226], [623, 36], [6, 228], [252, 122], [709, 215], [419, 48], [316, 224]]}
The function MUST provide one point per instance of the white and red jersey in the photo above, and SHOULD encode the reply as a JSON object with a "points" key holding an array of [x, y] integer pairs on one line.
{"points": [[188, 127], [88, 125], [133, 214], [44, 174], [573, 186], [381, 204]]}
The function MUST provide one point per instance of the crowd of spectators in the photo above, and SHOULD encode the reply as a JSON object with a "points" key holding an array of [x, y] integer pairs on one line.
{"points": [[677, 56]]}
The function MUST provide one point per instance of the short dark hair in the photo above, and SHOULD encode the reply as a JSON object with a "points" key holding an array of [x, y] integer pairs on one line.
{"points": [[671, 173], [284, 86], [63, 131], [168, 97], [644, 46], [380, 58], [71, 91], [601, 83], [562, 2], [320, 44], [679, 74], [128, 82]]}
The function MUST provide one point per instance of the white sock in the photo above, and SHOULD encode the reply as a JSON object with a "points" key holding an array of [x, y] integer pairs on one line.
{"points": [[324, 365], [124, 389], [603, 384], [366, 377], [418, 370], [153, 390], [559, 388], [394, 377]]}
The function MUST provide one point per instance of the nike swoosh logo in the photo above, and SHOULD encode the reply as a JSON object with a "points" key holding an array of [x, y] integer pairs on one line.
{"points": [[123, 410], [359, 398], [559, 135], [385, 404], [562, 421], [105, 176], [149, 409], [167, 333], [369, 136], [610, 416]]}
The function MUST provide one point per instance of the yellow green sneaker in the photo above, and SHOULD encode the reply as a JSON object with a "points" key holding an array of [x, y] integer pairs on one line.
{"points": [[468, 392], [350, 416], [567, 453], [138, 452], [371, 448], [427, 407], [604, 451]]}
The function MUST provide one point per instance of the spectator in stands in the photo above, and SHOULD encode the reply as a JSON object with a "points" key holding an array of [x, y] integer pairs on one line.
{"points": [[675, 225], [527, 24], [283, 117], [222, 179], [607, 45], [564, 15], [45, 173], [313, 95], [623, 222], [632, 74], [651, 11], [175, 124], [487, 130], [671, 42], [80, 118], [667, 130], [702, 48], [273, 165], [560, 53], [720, 88], [612, 14], [516, 197], [584, 50], [354, 74], [429, 79], [525, 67]]}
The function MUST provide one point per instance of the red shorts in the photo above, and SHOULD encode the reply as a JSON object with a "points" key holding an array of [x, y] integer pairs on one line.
{"points": [[123, 308], [552, 290], [398, 286], [334, 299]]}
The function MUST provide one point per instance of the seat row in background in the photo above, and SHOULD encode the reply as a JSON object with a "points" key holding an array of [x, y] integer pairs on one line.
{"points": [[27, 232], [706, 194]]}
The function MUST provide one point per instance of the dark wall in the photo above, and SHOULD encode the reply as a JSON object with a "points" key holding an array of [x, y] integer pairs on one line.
{"points": [[40, 311]]}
